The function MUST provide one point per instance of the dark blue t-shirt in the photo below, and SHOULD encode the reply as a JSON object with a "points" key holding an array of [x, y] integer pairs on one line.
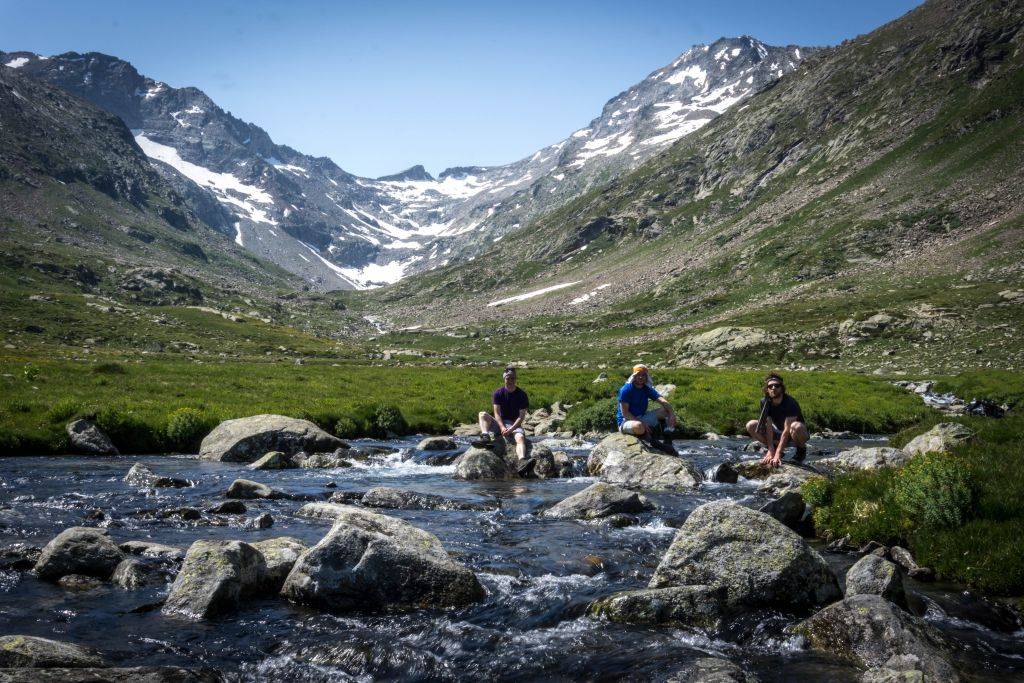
{"points": [[510, 403], [636, 399]]}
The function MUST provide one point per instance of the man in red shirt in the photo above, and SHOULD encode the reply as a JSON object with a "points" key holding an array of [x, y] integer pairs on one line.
{"points": [[509, 404]]}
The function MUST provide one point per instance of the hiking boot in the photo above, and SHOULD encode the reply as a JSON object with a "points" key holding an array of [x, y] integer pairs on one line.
{"points": [[485, 441], [525, 468], [801, 453]]}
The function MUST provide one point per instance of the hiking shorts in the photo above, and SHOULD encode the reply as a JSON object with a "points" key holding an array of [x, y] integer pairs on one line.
{"points": [[511, 435], [650, 418]]}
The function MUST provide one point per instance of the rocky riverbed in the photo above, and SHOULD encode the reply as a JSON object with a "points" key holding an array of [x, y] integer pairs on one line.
{"points": [[554, 597]]}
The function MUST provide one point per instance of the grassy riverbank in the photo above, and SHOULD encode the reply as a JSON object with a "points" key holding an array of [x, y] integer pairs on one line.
{"points": [[160, 405], [960, 513]]}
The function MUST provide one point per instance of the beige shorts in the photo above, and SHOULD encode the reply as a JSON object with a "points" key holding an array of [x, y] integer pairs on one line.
{"points": [[650, 418]]}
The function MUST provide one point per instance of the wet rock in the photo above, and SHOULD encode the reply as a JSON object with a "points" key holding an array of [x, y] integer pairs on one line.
{"points": [[143, 477], [274, 460], [250, 490], [619, 521], [229, 507], [88, 439], [943, 437], [614, 443], [19, 556], [347, 497], [248, 438], [899, 669], [863, 459], [649, 471], [776, 481], [186, 514], [723, 473], [543, 463], [480, 463], [264, 521], [599, 500], [563, 464], [324, 461], [372, 561], [688, 605], [440, 459], [214, 576], [904, 559], [154, 550], [321, 510], [397, 499], [873, 575], [79, 550], [437, 443], [134, 572], [34, 652], [135, 674], [789, 509], [279, 555], [78, 582], [869, 630], [752, 556], [713, 670]]}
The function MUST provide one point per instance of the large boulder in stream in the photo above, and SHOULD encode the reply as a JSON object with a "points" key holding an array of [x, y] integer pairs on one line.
{"points": [[599, 500], [31, 651], [280, 555], [713, 670], [775, 480], [213, 578], [249, 438], [141, 476], [79, 550], [615, 442], [85, 437], [752, 556], [874, 575], [247, 489], [397, 499], [481, 463], [942, 438], [870, 631], [437, 443], [859, 458], [370, 561], [624, 460], [687, 605], [132, 674]]}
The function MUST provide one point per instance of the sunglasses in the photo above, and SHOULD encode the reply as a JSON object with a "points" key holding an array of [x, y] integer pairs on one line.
{"points": [[774, 386]]}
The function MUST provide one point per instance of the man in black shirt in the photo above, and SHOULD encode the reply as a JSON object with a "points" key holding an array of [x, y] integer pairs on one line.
{"points": [[509, 404], [781, 421]]}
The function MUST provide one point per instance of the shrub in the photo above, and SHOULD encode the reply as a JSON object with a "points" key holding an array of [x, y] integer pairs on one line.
{"points": [[186, 428], [858, 506], [592, 416], [128, 432], [389, 419], [932, 491], [817, 491], [347, 428], [109, 369], [63, 410], [981, 553]]}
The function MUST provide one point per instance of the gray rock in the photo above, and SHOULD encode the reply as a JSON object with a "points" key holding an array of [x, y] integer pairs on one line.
{"points": [[79, 550], [274, 460], [279, 555], [229, 507], [19, 556], [480, 463], [869, 630], [563, 464], [723, 473], [942, 438], [134, 573], [713, 670], [688, 605], [250, 490], [899, 669], [619, 521], [903, 558], [264, 521], [214, 576], [79, 582], [858, 458], [650, 471], [90, 674], [248, 438], [188, 514], [437, 443], [873, 575], [397, 499], [758, 561], [34, 652], [154, 550], [89, 439], [324, 461], [789, 509], [328, 511], [723, 341], [614, 442], [372, 561], [143, 477], [599, 500]]}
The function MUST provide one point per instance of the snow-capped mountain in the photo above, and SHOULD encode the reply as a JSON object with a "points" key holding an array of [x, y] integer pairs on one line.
{"points": [[338, 230]]}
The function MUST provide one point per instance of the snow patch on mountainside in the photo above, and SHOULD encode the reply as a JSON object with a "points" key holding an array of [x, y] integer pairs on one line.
{"points": [[530, 295]]}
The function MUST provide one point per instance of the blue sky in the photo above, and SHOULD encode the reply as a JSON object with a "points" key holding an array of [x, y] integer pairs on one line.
{"points": [[380, 86]]}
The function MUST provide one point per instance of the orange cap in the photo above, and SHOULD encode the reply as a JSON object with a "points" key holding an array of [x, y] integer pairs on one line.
{"points": [[640, 367]]}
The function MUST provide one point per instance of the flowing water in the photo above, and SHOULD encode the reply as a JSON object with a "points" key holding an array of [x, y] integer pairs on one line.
{"points": [[539, 575]]}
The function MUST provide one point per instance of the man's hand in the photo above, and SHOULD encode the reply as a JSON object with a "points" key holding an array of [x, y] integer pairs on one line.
{"points": [[505, 431], [768, 457]]}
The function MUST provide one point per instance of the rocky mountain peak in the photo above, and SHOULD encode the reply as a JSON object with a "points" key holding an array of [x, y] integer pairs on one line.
{"points": [[416, 172]]}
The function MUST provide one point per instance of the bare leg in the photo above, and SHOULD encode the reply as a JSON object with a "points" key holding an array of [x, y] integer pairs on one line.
{"points": [[520, 447], [487, 423], [752, 431], [798, 433]]}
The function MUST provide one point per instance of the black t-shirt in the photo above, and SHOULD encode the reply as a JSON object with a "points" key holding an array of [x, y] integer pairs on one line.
{"points": [[787, 408], [510, 403]]}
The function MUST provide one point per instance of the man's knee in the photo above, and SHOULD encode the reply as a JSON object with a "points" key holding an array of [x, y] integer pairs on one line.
{"points": [[520, 438], [798, 430], [752, 427], [481, 415]]}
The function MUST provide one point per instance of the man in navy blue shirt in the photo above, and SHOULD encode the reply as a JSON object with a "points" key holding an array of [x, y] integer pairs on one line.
{"points": [[510, 404], [781, 421], [632, 414]]}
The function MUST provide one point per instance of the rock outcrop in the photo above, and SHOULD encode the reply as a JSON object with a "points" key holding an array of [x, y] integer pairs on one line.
{"points": [[943, 437], [213, 578], [599, 500], [371, 561], [274, 460], [437, 443], [858, 458], [874, 575], [653, 471], [248, 438], [34, 652], [481, 463]]}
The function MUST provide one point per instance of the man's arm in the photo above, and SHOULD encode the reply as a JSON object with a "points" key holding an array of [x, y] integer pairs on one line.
{"points": [[519, 420], [783, 439], [624, 407], [497, 416]]}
